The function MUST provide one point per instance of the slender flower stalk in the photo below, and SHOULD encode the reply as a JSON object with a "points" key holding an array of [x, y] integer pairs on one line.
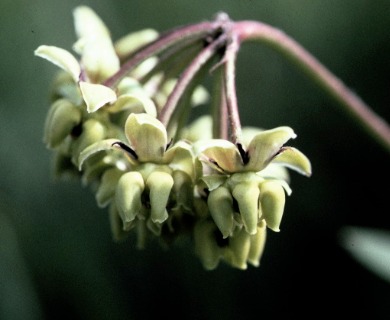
{"points": [[185, 78], [354, 105]]}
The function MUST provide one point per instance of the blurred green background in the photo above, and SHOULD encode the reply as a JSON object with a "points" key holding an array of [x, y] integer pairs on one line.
{"points": [[57, 257]]}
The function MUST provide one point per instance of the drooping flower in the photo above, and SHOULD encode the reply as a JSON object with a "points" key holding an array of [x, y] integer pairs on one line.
{"points": [[157, 174], [98, 61], [252, 176]]}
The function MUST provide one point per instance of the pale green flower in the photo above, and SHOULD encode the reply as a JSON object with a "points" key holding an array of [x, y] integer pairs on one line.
{"points": [[251, 175], [98, 62], [265, 148], [154, 167], [238, 250]]}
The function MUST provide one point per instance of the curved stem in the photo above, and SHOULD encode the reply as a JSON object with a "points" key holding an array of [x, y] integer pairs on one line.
{"points": [[374, 124], [165, 41], [186, 77], [218, 106], [230, 89]]}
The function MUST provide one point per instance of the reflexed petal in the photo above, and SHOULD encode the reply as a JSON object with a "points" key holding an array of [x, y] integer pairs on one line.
{"points": [[94, 148], [147, 136], [135, 103], [265, 145], [94, 45], [272, 199], [220, 202], [128, 195], [96, 95], [61, 58], [107, 186], [160, 185], [294, 159], [247, 196], [222, 154]]}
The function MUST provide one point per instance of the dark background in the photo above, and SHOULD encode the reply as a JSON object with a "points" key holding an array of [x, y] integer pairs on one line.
{"points": [[57, 257]]}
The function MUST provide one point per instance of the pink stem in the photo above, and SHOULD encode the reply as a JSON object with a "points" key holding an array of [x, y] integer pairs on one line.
{"points": [[375, 125]]}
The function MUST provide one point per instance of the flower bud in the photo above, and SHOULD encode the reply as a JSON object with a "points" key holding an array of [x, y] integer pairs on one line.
{"points": [[220, 202], [272, 200], [247, 195], [128, 195], [160, 186]]}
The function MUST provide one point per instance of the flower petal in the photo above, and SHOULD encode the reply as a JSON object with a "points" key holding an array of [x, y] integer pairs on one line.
{"points": [[94, 148], [106, 190], [257, 244], [61, 58], [238, 250], [160, 185], [294, 159], [272, 200], [96, 95], [265, 145], [222, 154], [131, 42], [94, 45], [213, 181], [128, 195], [220, 202], [147, 136], [180, 157], [247, 196], [135, 103]]}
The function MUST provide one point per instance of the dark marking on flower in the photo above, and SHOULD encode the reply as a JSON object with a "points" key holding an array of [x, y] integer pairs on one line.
{"points": [[244, 154], [169, 144], [126, 148], [77, 130], [221, 242], [215, 164]]}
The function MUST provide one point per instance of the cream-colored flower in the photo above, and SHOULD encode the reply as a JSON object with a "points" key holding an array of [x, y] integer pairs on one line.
{"points": [[98, 61], [252, 176], [154, 167]]}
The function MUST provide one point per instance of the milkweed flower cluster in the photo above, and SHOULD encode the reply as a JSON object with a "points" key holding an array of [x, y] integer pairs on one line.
{"points": [[119, 120]]}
